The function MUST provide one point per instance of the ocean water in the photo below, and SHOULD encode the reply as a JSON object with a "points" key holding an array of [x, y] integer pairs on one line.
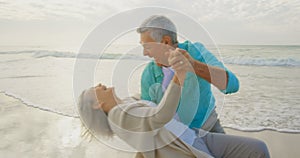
{"points": [[269, 81]]}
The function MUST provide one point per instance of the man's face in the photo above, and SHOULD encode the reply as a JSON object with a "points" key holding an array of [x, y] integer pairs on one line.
{"points": [[153, 49]]}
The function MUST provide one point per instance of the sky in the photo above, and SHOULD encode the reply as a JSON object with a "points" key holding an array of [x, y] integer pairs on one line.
{"points": [[67, 23]]}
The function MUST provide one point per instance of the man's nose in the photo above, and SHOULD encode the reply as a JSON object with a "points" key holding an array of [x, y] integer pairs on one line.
{"points": [[146, 52]]}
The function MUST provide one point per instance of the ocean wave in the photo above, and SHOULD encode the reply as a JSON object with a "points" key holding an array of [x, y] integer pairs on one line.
{"points": [[261, 61], [61, 54], [28, 104], [236, 60]]}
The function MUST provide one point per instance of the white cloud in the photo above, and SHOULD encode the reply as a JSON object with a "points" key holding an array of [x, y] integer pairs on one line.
{"points": [[47, 9], [269, 11], [258, 16]]}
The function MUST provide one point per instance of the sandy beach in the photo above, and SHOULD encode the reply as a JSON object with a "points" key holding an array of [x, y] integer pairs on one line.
{"points": [[30, 132], [280, 144]]}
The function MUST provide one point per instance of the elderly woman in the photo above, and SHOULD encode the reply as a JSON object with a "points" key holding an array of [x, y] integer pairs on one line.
{"points": [[143, 126]]}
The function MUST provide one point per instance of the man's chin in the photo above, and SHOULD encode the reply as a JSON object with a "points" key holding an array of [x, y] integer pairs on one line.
{"points": [[160, 65]]}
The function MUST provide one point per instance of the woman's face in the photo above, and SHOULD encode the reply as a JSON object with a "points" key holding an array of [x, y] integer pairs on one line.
{"points": [[106, 96]]}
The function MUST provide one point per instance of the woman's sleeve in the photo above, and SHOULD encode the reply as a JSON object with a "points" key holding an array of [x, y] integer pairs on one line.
{"points": [[139, 117], [167, 107]]}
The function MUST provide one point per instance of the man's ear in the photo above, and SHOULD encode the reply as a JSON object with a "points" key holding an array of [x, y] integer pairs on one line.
{"points": [[166, 40], [98, 106]]}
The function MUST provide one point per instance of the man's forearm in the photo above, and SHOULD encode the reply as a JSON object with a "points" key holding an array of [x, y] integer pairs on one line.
{"points": [[214, 75]]}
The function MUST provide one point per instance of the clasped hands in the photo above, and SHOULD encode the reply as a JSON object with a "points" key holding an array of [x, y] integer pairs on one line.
{"points": [[181, 62]]}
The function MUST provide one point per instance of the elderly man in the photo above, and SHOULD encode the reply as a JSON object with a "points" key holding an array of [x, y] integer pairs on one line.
{"points": [[158, 35]]}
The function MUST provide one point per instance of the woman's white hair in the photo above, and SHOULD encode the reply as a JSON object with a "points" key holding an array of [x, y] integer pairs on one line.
{"points": [[95, 121], [159, 26]]}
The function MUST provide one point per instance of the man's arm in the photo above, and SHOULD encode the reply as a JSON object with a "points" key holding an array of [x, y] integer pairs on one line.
{"points": [[221, 78], [214, 75]]}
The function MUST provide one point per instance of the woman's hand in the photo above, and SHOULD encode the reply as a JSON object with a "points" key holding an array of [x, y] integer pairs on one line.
{"points": [[180, 63]]}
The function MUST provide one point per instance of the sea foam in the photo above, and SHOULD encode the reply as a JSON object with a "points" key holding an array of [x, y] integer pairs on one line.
{"points": [[235, 60]]}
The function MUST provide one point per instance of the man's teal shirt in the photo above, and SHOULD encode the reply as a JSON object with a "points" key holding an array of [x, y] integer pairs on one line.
{"points": [[197, 100]]}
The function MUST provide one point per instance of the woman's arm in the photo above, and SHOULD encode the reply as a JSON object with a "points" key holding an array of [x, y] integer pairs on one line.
{"points": [[140, 117], [167, 107]]}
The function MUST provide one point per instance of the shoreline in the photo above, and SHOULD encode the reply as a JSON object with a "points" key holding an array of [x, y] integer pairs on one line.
{"points": [[287, 131], [253, 130]]}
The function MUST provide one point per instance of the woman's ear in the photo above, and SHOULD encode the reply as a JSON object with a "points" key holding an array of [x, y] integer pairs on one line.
{"points": [[98, 106]]}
